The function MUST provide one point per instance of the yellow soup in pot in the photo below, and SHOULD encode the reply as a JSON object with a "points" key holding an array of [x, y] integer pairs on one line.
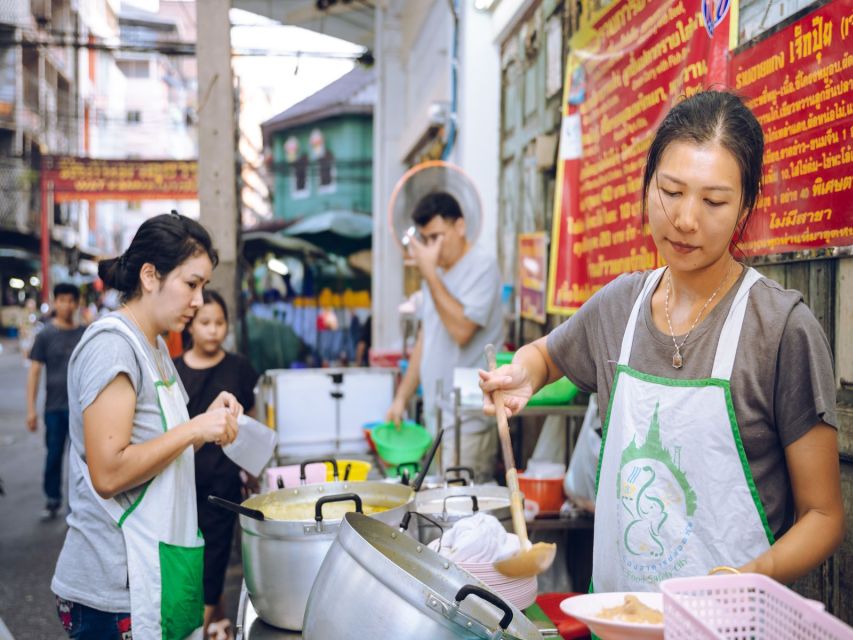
{"points": [[306, 510]]}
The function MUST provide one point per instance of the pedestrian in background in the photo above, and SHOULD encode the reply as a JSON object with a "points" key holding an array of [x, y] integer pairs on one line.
{"points": [[207, 370], [133, 556], [51, 350]]}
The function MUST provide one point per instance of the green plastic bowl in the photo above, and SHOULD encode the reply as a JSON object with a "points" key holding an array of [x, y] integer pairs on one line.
{"points": [[563, 391], [408, 444]]}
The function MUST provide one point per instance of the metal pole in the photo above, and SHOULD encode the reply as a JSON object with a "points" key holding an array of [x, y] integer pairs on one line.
{"points": [[457, 436], [439, 391], [45, 238]]}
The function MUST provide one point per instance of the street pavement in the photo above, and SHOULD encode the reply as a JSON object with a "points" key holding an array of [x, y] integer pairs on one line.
{"points": [[28, 546]]}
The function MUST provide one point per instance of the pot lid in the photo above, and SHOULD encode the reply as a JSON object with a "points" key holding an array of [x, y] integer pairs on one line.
{"points": [[458, 501], [460, 505]]}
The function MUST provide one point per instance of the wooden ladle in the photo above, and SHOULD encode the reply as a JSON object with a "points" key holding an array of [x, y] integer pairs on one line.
{"points": [[531, 560]]}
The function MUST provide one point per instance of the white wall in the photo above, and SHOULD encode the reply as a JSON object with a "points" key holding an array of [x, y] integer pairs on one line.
{"points": [[426, 45], [478, 136]]}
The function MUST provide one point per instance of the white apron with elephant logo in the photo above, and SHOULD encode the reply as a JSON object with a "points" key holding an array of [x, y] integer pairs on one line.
{"points": [[675, 496], [165, 550]]}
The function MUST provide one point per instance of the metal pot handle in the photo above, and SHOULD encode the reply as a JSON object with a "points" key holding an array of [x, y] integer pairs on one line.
{"points": [[236, 508], [341, 497], [475, 506], [458, 471], [305, 463], [488, 596], [462, 481], [404, 525], [402, 466]]}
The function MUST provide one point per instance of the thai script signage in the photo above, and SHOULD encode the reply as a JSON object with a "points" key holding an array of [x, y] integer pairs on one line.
{"points": [[89, 179], [625, 71], [800, 86], [532, 261]]}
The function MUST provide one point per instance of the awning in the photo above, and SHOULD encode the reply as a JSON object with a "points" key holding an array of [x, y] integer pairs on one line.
{"points": [[256, 244], [338, 232], [19, 262]]}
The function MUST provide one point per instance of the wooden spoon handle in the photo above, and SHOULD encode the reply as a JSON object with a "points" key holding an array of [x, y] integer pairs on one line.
{"points": [[516, 508]]}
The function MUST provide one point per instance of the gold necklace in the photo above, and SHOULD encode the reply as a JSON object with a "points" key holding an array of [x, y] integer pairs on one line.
{"points": [[677, 358], [158, 357]]}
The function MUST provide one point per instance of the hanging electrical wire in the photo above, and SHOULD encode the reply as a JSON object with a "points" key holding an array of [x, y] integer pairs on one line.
{"points": [[61, 39]]}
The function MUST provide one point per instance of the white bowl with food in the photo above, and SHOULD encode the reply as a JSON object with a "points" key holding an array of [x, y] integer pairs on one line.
{"points": [[619, 615]]}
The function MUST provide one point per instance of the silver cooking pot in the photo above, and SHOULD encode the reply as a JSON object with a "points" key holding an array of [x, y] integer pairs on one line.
{"points": [[446, 506], [281, 558], [380, 584]]}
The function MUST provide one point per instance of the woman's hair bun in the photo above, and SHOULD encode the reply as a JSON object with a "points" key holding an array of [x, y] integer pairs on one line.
{"points": [[111, 272]]}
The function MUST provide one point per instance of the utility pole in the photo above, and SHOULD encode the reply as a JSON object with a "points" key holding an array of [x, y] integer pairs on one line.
{"points": [[217, 182], [388, 121]]}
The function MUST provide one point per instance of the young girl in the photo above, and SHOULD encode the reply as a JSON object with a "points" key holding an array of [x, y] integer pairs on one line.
{"points": [[720, 432], [207, 370], [132, 556]]}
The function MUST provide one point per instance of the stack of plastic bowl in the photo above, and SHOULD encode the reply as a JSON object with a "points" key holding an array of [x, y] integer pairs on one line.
{"points": [[519, 592]]}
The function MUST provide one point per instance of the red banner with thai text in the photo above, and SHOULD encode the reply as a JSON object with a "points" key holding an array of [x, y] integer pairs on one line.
{"points": [[90, 179], [626, 71], [799, 82], [532, 270]]}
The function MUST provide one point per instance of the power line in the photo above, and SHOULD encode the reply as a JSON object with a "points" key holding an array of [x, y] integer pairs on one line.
{"points": [[177, 49]]}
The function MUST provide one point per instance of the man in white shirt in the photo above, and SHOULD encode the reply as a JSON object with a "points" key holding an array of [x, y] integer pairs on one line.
{"points": [[461, 314]]}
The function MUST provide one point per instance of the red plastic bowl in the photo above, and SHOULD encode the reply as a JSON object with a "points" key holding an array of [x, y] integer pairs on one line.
{"points": [[547, 492]]}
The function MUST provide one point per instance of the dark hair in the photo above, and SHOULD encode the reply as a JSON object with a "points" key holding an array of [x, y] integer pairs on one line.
{"points": [[714, 116], [66, 289], [166, 241], [435, 204], [210, 296]]}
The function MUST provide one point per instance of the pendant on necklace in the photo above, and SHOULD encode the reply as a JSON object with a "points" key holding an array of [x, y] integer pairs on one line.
{"points": [[677, 360]]}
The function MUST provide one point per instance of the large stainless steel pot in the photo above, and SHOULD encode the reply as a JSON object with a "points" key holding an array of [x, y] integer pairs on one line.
{"points": [[281, 558], [448, 505], [380, 584]]}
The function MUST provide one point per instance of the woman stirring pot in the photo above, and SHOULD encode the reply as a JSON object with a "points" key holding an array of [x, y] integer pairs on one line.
{"points": [[132, 559], [720, 444]]}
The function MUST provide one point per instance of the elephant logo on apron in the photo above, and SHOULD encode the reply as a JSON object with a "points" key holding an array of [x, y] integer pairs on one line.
{"points": [[656, 507]]}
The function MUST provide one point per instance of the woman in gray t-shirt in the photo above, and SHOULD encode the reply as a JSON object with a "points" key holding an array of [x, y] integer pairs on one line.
{"points": [[132, 558], [720, 445]]}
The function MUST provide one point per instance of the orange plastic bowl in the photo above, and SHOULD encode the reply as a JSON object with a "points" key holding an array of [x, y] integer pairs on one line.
{"points": [[547, 492]]}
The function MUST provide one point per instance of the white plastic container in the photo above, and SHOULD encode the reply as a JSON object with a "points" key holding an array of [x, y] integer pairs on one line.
{"points": [[253, 447]]}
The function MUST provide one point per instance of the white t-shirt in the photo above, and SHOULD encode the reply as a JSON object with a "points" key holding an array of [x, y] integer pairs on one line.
{"points": [[476, 283]]}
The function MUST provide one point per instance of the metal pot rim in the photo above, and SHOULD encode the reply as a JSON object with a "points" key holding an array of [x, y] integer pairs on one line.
{"points": [[353, 538], [369, 491]]}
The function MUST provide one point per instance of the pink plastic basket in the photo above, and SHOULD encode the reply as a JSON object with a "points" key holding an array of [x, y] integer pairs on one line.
{"points": [[740, 607], [314, 472]]}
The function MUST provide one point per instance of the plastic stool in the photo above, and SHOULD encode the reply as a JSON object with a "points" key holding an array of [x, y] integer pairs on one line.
{"points": [[569, 627]]}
